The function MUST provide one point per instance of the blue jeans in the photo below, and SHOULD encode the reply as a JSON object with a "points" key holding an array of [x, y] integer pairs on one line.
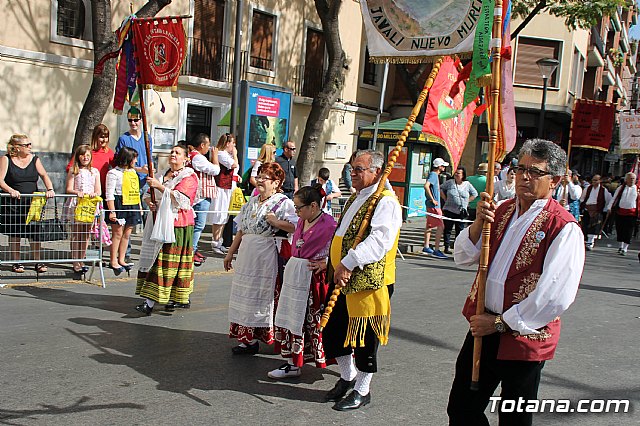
{"points": [[201, 210]]}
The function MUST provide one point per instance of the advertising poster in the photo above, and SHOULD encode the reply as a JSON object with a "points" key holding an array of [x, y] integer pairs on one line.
{"points": [[417, 202], [266, 119], [630, 133]]}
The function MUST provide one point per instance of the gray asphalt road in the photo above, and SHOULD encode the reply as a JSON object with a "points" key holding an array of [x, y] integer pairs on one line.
{"points": [[77, 354]]}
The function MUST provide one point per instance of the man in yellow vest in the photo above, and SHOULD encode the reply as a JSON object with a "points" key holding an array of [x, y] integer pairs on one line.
{"points": [[360, 320]]}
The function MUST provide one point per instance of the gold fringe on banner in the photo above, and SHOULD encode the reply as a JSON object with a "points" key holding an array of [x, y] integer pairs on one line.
{"points": [[413, 59]]}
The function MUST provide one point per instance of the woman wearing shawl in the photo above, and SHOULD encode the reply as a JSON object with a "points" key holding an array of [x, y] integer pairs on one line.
{"points": [[304, 287], [253, 289], [166, 269]]}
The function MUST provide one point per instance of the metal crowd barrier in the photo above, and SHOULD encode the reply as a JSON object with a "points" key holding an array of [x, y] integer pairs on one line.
{"points": [[50, 231]]}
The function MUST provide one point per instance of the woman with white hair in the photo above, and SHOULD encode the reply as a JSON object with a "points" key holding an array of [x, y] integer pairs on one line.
{"points": [[626, 204]]}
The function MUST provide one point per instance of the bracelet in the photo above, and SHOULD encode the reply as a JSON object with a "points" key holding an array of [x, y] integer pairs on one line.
{"points": [[50, 189]]}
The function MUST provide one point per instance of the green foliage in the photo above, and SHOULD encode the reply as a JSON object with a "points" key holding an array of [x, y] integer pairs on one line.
{"points": [[577, 13], [617, 57]]}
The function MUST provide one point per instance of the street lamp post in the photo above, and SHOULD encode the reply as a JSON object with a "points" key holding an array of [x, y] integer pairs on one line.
{"points": [[547, 67]]}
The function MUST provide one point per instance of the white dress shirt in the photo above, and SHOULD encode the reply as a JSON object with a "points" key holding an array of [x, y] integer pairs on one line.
{"points": [[385, 225], [628, 199], [557, 287], [571, 190]]}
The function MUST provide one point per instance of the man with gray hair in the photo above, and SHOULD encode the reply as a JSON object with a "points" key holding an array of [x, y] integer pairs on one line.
{"points": [[360, 320], [626, 206], [536, 257]]}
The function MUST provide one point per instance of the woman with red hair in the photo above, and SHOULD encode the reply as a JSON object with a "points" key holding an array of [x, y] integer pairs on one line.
{"points": [[261, 225]]}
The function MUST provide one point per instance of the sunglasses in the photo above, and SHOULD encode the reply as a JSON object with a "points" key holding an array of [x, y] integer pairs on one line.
{"points": [[533, 172], [290, 149], [24, 144], [133, 120]]}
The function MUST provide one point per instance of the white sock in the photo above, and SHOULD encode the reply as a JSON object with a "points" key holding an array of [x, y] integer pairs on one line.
{"points": [[591, 238], [625, 246], [621, 245], [363, 380], [347, 368], [150, 302]]}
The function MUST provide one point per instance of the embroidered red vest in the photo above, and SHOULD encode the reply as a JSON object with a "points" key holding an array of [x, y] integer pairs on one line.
{"points": [[522, 278], [225, 178], [600, 200]]}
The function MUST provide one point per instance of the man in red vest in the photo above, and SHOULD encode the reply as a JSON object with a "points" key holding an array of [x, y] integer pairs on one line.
{"points": [[536, 258], [593, 204]]}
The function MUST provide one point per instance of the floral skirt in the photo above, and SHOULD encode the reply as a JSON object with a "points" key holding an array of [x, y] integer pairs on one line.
{"points": [[308, 347]]}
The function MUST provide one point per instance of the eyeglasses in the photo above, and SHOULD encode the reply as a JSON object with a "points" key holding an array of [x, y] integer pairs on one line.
{"points": [[24, 144], [263, 178], [298, 208], [289, 148], [533, 172], [360, 169], [133, 120]]}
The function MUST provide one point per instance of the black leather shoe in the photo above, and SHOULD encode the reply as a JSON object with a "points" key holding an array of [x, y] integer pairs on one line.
{"points": [[170, 307], [183, 305], [247, 350], [144, 308], [353, 401], [339, 390]]}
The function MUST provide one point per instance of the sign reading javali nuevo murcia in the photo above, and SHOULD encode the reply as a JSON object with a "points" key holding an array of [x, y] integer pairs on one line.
{"points": [[405, 31], [630, 133]]}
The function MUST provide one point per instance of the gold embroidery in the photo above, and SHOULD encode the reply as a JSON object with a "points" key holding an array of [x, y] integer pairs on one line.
{"points": [[474, 290], [528, 285], [529, 247], [543, 335], [500, 226]]}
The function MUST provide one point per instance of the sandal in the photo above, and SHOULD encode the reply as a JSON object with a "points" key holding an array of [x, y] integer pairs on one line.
{"points": [[18, 268], [41, 268]]}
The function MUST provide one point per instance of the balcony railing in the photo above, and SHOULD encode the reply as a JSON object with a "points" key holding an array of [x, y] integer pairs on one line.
{"points": [[211, 61], [596, 40], [261, 63], [309, 80]]}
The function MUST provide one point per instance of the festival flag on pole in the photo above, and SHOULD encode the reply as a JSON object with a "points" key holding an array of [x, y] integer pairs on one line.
{"points": [[508, 130], [160, 51], [452, 133], [629, 133], [592, 124], [125, 89], [413, 31]]}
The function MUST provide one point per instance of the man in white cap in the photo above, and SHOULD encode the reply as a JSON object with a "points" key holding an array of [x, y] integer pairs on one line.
{"points": [[432, 194]]}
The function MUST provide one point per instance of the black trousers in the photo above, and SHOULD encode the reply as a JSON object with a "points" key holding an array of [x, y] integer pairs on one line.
{"points": [[449, 225], [624, 228], [518, 379], [335, 333]]}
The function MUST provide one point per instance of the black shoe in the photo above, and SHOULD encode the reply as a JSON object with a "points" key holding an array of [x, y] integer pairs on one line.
{"points": [[183, 305], [339, 390], [247, 350], [352, 402], [447, 250], [144, 308], [170, 307], [85, 269], [117, 271]]}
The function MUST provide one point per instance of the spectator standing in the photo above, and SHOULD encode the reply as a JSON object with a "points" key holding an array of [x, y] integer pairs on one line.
{"points": [[20, 171], [205, 171], [134, 139], [346, 176], [568, 193], [228, 161], [456, 193], [328, 186], [479, 182], [267, 155], [432, 194], [506, 189], [286, 161]]}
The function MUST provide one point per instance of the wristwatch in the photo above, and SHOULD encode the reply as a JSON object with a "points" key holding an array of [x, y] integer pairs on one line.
{"points": [[500, 326]]}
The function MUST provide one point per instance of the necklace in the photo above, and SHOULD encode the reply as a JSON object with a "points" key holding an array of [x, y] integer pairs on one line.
{"points": [[262, 201], [300, 241], [315, 218]]}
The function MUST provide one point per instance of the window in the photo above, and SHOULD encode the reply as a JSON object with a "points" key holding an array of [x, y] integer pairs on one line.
{"points": [[370, 74], [209, 58], [313, 63], [529, 51], [577, 74], [199, 120], [262, 40], [71, 22]]}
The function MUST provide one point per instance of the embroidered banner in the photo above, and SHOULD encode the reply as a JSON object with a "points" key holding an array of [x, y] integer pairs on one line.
{"points": [[160, 51], [411, 31], [592, 125], [451, 133], [630, 133]]}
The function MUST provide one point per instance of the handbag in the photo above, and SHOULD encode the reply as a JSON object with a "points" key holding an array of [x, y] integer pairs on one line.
{"points": [[163, 227], [50, 229], [463, 211]]}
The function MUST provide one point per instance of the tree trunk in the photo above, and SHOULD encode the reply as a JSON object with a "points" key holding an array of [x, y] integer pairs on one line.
{"points": [[104, 41], [328, 11]]}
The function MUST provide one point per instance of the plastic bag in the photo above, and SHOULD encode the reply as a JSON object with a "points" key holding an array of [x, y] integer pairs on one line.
{"points": [[237, 200], [164, 219], [86, 209], [35, 209]]}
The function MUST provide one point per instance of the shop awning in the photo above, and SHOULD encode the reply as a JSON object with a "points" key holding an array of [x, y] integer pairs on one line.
{"points": [[226, 119], [390, 130]]}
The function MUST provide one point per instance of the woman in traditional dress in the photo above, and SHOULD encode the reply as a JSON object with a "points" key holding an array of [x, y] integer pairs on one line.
{"points": [[166, 269], [304, 287], [228, 161], [253, 289]]}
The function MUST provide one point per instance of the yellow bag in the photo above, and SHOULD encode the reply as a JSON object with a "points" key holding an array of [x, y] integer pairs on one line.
{"points": [[130, 188], [237, 200], [86, 209], [35, 209]]}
